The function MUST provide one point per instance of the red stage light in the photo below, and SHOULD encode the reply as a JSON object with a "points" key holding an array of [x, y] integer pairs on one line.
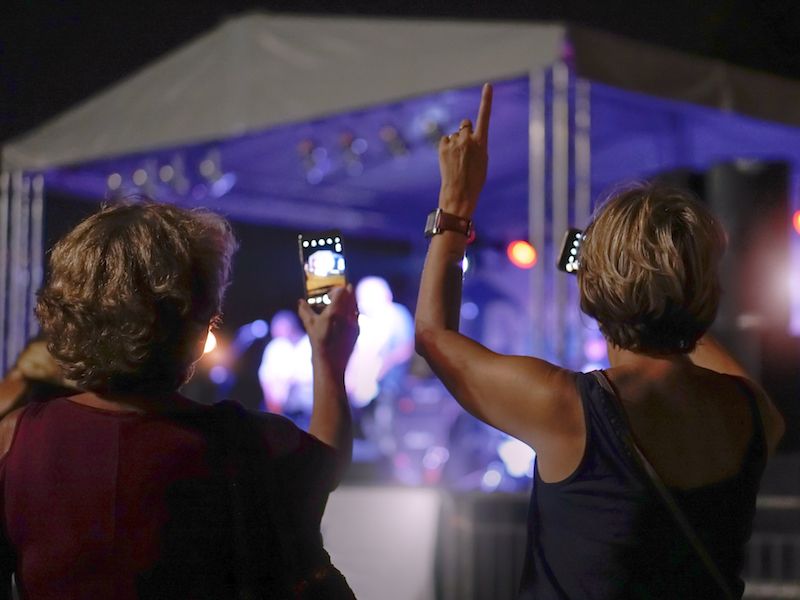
{"points": [[796, 221], [521, 254]]}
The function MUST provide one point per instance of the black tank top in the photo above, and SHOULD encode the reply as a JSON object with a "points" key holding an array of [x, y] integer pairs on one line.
{"points": [[604, 533]]}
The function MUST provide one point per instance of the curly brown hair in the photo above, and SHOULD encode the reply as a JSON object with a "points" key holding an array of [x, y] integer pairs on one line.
{"points": [[648, 269], [131, 292]]}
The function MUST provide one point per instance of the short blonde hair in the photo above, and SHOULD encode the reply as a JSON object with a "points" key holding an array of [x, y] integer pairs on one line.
{"points": [[648, 270]]}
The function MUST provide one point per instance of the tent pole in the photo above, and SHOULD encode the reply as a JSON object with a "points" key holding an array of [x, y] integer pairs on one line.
{"points": [[36, 263], [537, 153], [560, 222], [583, 193], [16, 300], [5, 185]]}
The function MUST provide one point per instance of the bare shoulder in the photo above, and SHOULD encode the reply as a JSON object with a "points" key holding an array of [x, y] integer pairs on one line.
{"points": [[771, 417], [8, 426]]}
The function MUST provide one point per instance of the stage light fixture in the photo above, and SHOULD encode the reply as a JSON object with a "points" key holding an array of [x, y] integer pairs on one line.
{"points": [[521, 254], [114, 181], [140, 177], [396, 145], [796, 221], [166, 173]]}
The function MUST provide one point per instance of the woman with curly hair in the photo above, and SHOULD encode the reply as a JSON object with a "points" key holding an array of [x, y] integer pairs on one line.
{"points": [[129, 490], [599, 526]]}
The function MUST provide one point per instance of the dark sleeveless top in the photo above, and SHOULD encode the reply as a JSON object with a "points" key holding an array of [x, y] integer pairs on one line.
{"points": [[603, 533], [125, 505]]}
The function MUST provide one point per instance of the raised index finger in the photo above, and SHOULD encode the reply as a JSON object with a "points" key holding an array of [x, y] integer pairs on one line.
{"points": [[485, 109]]}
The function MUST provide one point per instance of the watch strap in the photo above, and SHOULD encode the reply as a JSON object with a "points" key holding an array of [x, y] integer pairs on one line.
{"points": [[440, 221]]}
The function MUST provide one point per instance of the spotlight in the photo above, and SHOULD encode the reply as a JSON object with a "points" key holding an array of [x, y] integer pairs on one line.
{"points": [[114, 181], [521, 254], [352, 149], [796, 221], [315, 160], [140, 177]]}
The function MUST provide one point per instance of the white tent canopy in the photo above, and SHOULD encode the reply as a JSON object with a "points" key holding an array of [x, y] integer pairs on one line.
{"points": [[259, 70]]}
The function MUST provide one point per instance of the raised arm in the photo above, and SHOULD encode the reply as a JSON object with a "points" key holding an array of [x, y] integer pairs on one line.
{"points": [[333, 335], [527, 398]]}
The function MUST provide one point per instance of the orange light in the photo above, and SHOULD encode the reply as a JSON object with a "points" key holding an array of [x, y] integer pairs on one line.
{"points": [[796, 221], [521, 254], [211, 343]]}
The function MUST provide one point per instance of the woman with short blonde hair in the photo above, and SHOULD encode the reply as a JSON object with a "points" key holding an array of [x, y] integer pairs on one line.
{"points": [[599, 526]]}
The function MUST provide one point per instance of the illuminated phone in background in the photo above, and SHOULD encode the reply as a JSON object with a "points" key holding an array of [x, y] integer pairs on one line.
{"points": [[323, 263], [568, 259]]}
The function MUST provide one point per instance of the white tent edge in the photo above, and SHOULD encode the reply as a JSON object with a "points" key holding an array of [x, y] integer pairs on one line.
{"points": [[259, 70]]}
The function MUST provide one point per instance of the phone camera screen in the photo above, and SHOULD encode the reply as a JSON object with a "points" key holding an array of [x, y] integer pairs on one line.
{"points": [[323, 266]]}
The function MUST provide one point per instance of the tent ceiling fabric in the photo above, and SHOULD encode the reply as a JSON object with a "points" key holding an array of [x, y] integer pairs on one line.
{"points": [[260, 70], [639, 67]]}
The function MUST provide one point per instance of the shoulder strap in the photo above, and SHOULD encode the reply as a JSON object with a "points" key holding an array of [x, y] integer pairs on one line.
{"points": [[665, 494]]}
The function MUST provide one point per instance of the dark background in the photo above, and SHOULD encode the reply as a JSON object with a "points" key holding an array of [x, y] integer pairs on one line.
{"points": [[55, 53]]}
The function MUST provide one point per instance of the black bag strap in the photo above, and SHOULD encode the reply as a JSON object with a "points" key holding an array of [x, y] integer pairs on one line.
{"points": [[666, 496]]}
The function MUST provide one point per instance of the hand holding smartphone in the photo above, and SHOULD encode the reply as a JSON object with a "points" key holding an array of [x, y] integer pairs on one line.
{"points": [[568, 259], [323, 264]]}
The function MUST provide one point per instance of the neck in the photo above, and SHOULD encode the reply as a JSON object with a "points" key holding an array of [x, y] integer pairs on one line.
{"points": [[627, 359], [126, 402]]}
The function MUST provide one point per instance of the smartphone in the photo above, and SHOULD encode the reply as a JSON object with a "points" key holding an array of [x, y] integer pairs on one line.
{"points": [[323, 263], [568, 260]]}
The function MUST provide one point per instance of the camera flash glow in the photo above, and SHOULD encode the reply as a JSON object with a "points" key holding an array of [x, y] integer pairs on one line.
{"points": [[338, 247], [321, 242], [337, 240], [329, 240], [305, 244], [313, 243], [326, 299], [211, 343]]}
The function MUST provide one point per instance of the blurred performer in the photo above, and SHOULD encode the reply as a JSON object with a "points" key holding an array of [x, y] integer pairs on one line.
{"points": [[285, 371], [385, 345], [378, 367]]}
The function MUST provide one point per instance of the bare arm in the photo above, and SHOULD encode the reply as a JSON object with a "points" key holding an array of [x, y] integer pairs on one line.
{"points": [[710, 354], [333, 335], [527, 398]]}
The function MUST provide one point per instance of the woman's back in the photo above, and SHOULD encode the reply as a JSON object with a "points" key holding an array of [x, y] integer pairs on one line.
{"points": [[694, 425], [107, 503], [602, 532]]}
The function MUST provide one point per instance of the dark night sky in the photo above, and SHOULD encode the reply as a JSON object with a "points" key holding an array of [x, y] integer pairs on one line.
{"points": [[56, 53]]}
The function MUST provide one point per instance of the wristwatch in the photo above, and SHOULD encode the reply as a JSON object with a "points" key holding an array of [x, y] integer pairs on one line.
{"points": [[440, 221]]}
